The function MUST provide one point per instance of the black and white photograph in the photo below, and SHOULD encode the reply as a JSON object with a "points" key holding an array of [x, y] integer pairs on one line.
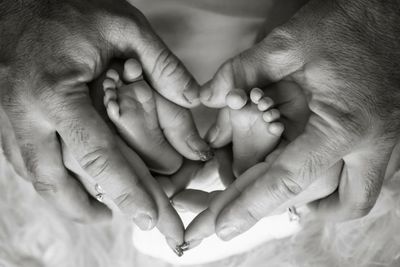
{"points": [[200, 133]]}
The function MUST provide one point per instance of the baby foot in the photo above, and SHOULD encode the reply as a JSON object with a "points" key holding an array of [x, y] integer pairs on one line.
{"points": [[131, 107], [255, 129]]}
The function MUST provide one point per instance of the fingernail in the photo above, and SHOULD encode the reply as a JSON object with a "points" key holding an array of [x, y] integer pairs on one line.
{"points": [[212, 134], [144, 222], [200, 147], [227, 233], [176, 248], [191, 95]]}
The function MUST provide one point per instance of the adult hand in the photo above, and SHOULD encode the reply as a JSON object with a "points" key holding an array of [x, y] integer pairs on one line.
{"points": [[9, 147], [49, 51], [344, 54]]}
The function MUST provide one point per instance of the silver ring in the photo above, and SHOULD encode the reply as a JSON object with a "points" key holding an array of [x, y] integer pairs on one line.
{"points": [[100, 193], [294, 216]]}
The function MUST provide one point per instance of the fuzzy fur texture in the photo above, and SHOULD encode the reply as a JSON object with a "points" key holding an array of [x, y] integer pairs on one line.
{"points": [[32, 234]]}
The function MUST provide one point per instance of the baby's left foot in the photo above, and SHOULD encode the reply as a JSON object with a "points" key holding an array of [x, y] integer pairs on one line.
{"points": [[256, 131], [130, 104]]}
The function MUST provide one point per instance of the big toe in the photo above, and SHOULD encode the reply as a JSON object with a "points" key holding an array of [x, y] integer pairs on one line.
{"points": [[236, 99], [132, 70]]}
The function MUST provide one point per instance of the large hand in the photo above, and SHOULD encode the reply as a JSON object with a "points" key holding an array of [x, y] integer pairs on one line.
{"points": [[344, 56], [49, 51]]}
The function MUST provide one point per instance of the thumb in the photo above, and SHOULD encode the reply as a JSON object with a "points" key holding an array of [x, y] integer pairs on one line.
{"points": [[269, 61], [132, 36]]}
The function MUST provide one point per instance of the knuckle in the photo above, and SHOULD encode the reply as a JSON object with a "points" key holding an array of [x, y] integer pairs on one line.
{"points": [[331, 134], [43, 186], [167, 65], [113, 26], [227, 73], [29, 154], [237, 71], [178, 118], [280, 40], [96, 162], [362, 208], [285, 188], [357, 210], [253, 214], [125, 202], [282, 34]]}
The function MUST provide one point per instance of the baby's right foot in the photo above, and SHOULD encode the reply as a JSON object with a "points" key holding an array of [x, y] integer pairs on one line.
{"points": [[256, 131], [130, 104]]}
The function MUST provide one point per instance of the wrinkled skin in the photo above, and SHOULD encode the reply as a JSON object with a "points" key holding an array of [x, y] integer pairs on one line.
{"points": [[49, 52], [344, 55]]}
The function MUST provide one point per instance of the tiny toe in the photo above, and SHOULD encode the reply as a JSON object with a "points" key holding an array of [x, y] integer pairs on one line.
{"points": [[113, 74], [256, 94], [276, 128], [271, 115], [265, 103], [110, 95], [108, 84], [113, 109], [236, 99], [132, 70]]}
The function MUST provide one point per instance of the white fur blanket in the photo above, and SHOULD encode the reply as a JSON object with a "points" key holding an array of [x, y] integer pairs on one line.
{"points": [[32, 234]]}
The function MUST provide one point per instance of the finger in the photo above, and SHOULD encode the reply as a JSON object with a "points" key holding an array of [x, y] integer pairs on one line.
{"points": [[302, 162], [9, 146], [163, 69], [169, 222], [180, 130], [204, 224], [325, 185], [360, 185], [269, 61], [185, 175], [43, 157], [215, 174], [167, 185], [220, 134], [193, 200], [95, 149]]}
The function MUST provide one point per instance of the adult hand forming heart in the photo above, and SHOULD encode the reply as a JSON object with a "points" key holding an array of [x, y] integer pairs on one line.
{"points": [[343, 56], [325, 71], [49, 52]]}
